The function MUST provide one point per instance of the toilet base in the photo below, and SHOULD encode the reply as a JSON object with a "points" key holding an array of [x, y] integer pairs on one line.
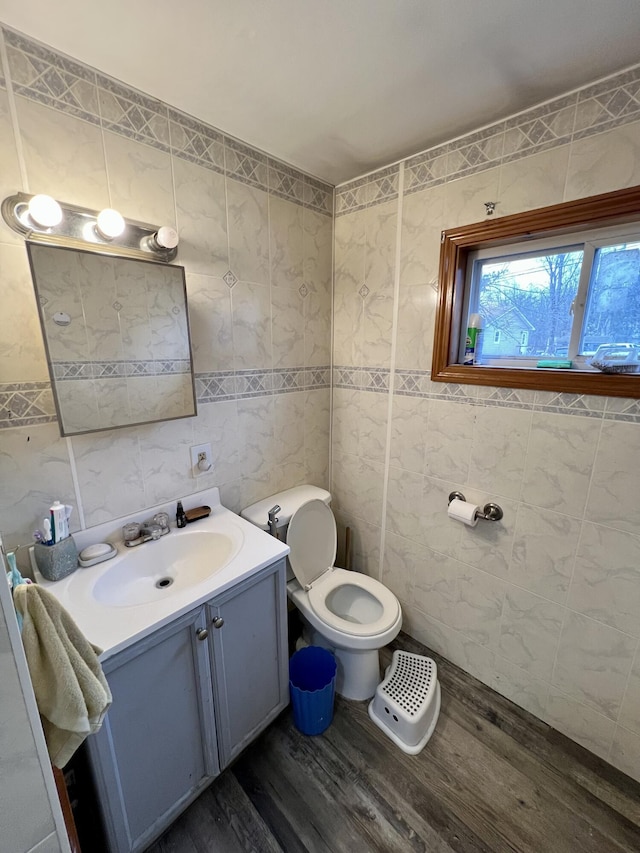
{"points": [[358, 671]]}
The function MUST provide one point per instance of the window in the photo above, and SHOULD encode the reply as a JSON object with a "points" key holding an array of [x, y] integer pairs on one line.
{"points": [[555, 285]]}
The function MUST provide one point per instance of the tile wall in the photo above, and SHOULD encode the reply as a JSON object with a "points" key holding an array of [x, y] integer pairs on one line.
{"points": [[256, 243], [544, 606]]}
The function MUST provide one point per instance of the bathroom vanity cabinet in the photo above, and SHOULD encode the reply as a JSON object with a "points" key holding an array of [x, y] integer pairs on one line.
{"points": [[186, 700]]}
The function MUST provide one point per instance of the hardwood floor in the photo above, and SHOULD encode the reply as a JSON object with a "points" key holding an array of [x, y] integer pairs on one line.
{"points": [[493, 778]]}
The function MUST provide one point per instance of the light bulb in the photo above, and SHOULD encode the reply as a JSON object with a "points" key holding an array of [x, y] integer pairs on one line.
{"points": [[166, 237], [110, 223], [45, 211]]}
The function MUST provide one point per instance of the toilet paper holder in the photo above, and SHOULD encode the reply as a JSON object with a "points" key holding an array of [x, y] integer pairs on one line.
{"points": [[489, 512]]}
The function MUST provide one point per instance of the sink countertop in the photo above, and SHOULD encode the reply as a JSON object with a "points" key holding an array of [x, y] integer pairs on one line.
{"points": [[114, 628]]}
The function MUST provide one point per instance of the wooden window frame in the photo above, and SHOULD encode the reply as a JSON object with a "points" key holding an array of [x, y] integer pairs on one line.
{"points": [[597, 211]]}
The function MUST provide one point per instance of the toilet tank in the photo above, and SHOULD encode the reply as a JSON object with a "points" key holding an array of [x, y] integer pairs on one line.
{"points": [[289, 501]]}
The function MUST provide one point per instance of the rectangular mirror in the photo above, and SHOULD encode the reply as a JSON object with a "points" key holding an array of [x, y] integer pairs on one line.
{"points": [[116, 333]]}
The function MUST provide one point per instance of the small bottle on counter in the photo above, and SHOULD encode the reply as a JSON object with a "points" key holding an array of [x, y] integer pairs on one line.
{"points": [[181, 518]]}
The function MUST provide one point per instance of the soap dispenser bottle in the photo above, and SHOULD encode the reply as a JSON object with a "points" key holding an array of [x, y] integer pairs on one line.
{"points": [[181, 518]]}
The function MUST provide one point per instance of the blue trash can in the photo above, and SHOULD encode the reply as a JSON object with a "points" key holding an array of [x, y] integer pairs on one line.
{"points": [[312, 684]]}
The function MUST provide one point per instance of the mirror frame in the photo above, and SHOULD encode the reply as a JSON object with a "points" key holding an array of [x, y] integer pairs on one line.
{"points": [[69, 246]]}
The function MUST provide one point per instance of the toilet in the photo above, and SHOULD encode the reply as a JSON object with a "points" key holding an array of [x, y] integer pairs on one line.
{"points": [[347, 612]]}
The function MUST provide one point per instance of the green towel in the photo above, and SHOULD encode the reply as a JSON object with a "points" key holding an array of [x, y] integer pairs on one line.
{"points": [[71, 691]]}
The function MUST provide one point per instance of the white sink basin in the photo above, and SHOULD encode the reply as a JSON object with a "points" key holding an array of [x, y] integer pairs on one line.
{"points": [[158, 570]]}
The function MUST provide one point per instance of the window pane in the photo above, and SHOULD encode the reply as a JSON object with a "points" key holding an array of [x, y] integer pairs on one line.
{"points": [[526, 302], [613, 306]]}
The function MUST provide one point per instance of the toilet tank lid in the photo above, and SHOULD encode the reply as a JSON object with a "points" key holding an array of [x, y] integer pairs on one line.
{"points": [[290, 501]]}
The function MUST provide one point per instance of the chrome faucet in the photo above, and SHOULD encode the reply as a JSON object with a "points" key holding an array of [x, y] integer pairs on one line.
{"points": [[273, 521], [137, 534]]}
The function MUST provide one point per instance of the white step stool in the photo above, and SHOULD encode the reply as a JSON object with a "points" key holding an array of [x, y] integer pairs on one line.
{"points": [[406, 703]]}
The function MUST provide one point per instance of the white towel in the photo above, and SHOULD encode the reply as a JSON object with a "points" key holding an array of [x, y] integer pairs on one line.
{"points": [[71, 691]]}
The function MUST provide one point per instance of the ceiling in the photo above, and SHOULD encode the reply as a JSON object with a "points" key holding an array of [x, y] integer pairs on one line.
{"points": [[340, 87]]}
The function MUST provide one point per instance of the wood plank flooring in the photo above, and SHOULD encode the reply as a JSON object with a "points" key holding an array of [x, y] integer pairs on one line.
{"points": [[492, 779]]}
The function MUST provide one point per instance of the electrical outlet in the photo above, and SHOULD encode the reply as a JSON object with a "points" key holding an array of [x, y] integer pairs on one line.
{"points": [[201, 460]]}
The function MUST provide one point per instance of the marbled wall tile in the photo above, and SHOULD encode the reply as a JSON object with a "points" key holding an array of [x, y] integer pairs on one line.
{"points": [[348, 322], [210, 323], [416, 319], [346, 420], [164, 453], [435, 590], [488, 545], [580, 723], [202, 218], [422, 214], [364, 545], [109, 468], [604, 162], [625, 752], [287, 327], [498, 450], [10, 177], [317, 420], [357, 486], [64, 156], [377, 329], [606, 579], [218, 424], [408, 427], [593, 663], [402, 559], [285, 229], [437, 530], [535, 181], [350, 252], [530, 631], [479, 601], [374, 414], [288, 412], [519, 686], [614, 497], [630, 710], [317, 250], [34, 469], [251, 313], [544, 549], [317, 329], [22, 356], [256, 437], [380, 246], [404, 514], [448, 440], [464, 198], [559, 462], [140, 180], [248, 211]]}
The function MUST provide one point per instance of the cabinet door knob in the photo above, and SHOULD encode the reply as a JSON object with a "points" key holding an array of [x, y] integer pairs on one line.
{"points": [[218, 622], [202, 633]]}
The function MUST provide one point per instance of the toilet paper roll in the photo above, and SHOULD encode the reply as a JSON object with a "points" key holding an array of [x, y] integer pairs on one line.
{"points": [[463, 511]]}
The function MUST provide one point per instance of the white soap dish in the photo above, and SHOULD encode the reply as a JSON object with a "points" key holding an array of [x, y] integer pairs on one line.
{"points": [[94, 554]]}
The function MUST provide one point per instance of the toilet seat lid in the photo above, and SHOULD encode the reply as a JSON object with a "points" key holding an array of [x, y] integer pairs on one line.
{"points": [[312, 538]]}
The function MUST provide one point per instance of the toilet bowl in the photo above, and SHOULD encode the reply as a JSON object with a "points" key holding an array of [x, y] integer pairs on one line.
{"points": [[349, 613]]}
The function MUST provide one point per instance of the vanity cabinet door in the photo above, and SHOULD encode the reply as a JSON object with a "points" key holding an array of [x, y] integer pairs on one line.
{"points": [[248, 635], [156, 749]]}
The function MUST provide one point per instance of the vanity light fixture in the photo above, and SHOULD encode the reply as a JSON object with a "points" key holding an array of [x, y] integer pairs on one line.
{"points": [[41, 218], [110, 223], [44, 211]]}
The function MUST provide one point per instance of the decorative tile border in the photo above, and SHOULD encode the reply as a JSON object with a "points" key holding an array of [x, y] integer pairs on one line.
{"points": [[593, 109], [243, 384], [26, 404], [41, 74], [417, 383], [118, 368]]}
